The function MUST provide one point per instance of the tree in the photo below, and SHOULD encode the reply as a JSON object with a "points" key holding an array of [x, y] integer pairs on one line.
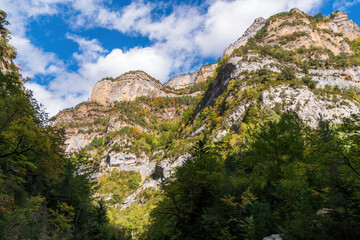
{"points": [[179, 214]]}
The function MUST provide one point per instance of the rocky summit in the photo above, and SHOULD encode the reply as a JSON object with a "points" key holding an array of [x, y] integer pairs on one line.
{"points": [[295, 29], [127, 87]]}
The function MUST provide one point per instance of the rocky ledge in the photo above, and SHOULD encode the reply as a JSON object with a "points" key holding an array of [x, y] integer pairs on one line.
{"points": [[189, 79]]}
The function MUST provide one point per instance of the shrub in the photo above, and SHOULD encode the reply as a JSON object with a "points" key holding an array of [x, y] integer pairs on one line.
{"points": [[288, 73], [309, 82]]}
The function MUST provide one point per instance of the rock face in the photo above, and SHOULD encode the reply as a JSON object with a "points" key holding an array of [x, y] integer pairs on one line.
{"points": [[309, 106], [189, 79], [250, 32], [298, 29], [330, 34], [273, 237], [127, 87], [130, 162], [342, 24]]}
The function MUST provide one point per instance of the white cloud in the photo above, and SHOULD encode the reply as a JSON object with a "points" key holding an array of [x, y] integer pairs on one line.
{"points": [[69, 88], [90, 50], [53, 101], [34, 60], [148, 59], [226, 21]]}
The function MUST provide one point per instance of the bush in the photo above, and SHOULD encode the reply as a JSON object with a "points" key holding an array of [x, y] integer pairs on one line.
{"points": [[288, 73], [309, 82]]}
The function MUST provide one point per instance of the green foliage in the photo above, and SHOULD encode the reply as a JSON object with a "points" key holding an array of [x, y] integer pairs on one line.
{"points": [[319, 16], [292, 37], [118, 184], [134, 220], [355, 46], [43, 194], [309, 82], [286, 178], [7, 52], [196, 185], [96, 142], [287, 73]]}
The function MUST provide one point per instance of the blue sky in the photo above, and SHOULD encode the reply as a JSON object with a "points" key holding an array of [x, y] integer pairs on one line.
{"points": [[66, 46]]}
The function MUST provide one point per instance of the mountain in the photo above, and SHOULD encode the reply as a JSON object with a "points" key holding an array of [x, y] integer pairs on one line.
{"points": [[290, 62], [311, 49]]}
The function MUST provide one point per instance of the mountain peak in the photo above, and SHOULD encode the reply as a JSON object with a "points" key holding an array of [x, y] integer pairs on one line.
{"points": [[136, 75], [295, 29], [126, 87], [296, 10]]}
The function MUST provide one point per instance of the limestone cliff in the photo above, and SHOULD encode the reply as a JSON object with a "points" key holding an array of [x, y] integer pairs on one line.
{"points": [[127, 87]]}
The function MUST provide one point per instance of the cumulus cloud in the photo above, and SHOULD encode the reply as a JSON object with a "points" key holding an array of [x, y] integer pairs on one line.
{"points": [[90, 50], [226, 21], [53, 101], [34, 60], [148, 59], [180, 40]]}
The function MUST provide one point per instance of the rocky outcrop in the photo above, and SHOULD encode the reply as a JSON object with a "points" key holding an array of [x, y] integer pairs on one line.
{"points": [[167, 166], [81, 124], [189, 79], [130, 162], [309, 106], [343, 25], [237, 66], [233, 69], [273, 237], [296, 29], [127, 87], [250, 32]]}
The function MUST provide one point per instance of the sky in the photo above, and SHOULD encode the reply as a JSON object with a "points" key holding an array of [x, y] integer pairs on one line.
{"points": [[66, 46]]}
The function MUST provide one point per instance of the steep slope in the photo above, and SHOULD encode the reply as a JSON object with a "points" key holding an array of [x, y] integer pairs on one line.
{"points": [[134, 99], [311, 49]]}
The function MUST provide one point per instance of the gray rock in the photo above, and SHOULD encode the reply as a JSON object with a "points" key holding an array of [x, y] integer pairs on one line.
{"points": [[307, 105], [189, 79], [250, 32], [130, 162], [273, 237], [127, 87]]}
